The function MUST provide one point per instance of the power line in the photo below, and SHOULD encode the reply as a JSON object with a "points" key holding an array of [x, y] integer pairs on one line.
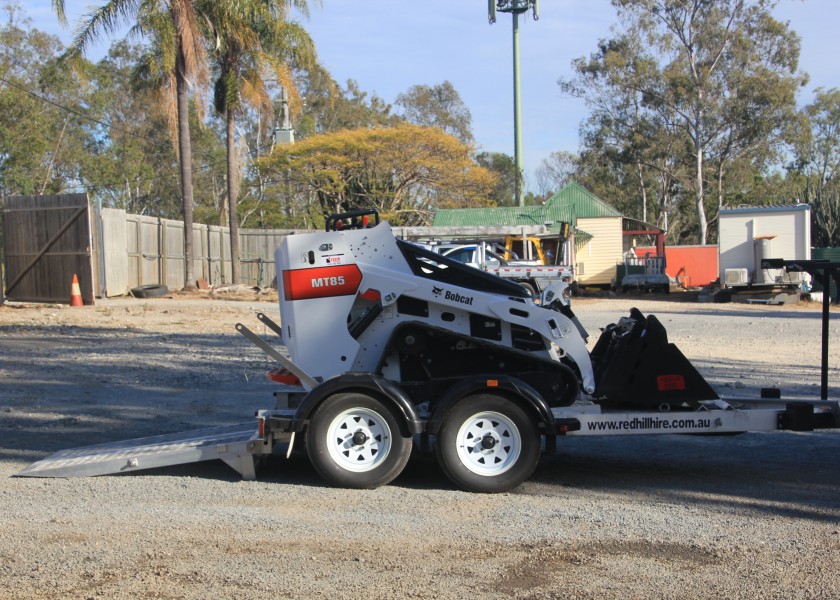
{"points": [[209, 165], [110, 127], [80, 114], [253, 153]]}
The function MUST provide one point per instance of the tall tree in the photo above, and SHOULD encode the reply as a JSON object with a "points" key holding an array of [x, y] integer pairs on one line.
{"points": [[757, 120], [405, 172], [622, 138], [328, 108], [178, 54], [35, 135], [128, 161], [555, 172], [437, 106], [504, 192], [255, 46], [818, 161], [721, 74]]}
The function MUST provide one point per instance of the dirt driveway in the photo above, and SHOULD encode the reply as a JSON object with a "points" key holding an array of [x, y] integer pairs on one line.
{"points": [[749, 516]]}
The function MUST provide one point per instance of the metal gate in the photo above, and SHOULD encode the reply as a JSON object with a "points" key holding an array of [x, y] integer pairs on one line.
{"points": [[46, 241]]}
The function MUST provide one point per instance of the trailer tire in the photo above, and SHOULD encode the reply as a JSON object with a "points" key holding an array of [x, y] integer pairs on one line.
{"points": [[355, 441], [487, 443]]}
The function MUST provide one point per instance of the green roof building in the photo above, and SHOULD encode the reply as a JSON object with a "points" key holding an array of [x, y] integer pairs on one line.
{"points": [[566, 206], [597, 225]]}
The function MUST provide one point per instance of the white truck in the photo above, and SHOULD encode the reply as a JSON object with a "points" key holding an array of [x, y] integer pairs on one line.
{"points": [[497, 260], [389, 347]]}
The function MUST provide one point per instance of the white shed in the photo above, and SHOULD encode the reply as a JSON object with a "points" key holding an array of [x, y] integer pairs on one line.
{"points": [[748, 235]]}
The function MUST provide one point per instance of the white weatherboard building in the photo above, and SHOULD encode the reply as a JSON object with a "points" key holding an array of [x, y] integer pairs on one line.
{"points": [[748, 235]]}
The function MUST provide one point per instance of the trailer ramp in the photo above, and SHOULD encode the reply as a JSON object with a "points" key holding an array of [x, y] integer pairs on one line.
{"points": [[234, 444]]}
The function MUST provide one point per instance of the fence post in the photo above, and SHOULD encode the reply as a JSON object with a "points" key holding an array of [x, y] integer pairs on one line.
{"points": [[100, 242], [161, 235], [209, 251]]}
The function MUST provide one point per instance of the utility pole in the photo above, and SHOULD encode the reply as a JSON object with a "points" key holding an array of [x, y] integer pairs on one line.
{"points": [[516, 8]]}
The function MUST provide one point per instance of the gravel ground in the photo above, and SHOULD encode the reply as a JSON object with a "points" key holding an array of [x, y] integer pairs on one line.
{"points": [[749, 516]]}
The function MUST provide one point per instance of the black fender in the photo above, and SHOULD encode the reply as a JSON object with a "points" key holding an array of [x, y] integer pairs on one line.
{"points": [[366, 383], [511, 387]]}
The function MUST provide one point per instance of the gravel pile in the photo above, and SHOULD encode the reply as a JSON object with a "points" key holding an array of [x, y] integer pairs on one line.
{"points": [[749, 516]]}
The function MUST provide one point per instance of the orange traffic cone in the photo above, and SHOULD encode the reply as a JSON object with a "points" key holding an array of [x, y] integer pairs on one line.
{"points": [[76, 293]]}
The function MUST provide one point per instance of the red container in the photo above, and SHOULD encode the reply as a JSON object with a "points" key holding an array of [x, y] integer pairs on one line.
{"points": [[693, 266]]}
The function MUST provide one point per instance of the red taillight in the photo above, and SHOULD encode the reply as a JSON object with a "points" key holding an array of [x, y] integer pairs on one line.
{"points": [[371, 295], [283, 376], [261, 427], [669, 383]]}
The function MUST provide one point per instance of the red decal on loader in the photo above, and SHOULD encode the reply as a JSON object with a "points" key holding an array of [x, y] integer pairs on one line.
{"points": [[321, 282], [668, 383]]}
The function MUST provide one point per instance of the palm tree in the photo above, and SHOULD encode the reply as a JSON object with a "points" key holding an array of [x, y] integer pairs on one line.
{"points": [[254, 45], [179, 51]]}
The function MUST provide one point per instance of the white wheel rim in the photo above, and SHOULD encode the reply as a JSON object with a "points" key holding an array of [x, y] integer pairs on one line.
{"points": [[359, 440], [489, 443]]}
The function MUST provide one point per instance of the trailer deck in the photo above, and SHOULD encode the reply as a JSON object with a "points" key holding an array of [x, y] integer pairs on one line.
{"points": [[240, 445]]}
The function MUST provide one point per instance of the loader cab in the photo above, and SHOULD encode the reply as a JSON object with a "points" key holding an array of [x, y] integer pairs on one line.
{"points": [[431, 265]]}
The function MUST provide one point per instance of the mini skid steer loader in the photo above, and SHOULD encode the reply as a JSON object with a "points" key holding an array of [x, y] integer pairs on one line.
{"points": [[393, 344]]}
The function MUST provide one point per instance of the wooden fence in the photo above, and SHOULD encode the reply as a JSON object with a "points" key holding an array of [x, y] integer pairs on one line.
{"points": [[46, 241], [123, 251], [141, 250]]}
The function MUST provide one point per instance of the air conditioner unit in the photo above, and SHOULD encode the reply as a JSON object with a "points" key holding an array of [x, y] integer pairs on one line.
{"points": [[794, 277], [736, 277]]}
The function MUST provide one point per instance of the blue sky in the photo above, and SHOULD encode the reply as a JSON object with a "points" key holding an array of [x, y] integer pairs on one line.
{"points": [[389, 45]]}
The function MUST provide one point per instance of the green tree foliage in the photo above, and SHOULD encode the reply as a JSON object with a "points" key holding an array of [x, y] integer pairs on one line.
{"points": [[818, 164], [555, 172], [128, 161], [209, 167], [503, 165], [93, 130], [691, 92], [176, 62], [328, 108], [404, 172], [38, 142], [437, 106], [625, 147], [254, 46]]}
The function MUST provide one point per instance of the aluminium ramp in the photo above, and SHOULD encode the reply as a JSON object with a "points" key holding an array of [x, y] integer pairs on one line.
{"points": [[233, 444]]}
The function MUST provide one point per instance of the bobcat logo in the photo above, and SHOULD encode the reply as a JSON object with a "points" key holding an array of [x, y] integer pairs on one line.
{"points": [[437, 291]]}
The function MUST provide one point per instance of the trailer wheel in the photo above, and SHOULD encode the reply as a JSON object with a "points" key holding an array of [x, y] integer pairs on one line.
{"points": [[354, 441], [487, 444]]}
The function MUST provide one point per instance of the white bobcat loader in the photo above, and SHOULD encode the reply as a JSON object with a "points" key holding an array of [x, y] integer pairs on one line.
{"points": [[391, 346]]}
